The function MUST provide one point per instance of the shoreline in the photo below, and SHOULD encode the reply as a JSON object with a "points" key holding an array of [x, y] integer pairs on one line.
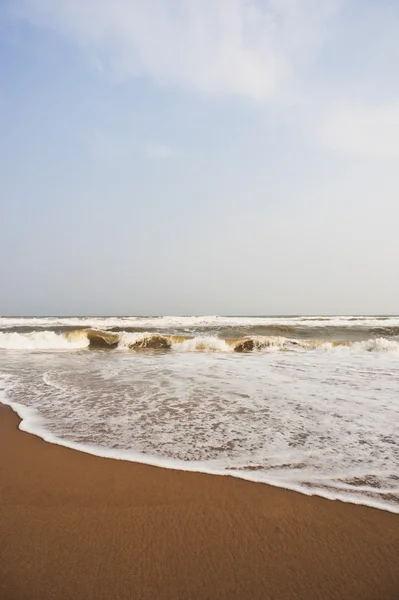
{"points": [[23, 413], [78, 526]]}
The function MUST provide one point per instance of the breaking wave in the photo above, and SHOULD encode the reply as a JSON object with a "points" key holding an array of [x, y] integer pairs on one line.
{"points": [[90, 338], [44, 340]]}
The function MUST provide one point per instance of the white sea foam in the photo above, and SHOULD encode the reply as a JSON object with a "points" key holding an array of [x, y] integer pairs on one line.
{"points": [[318, 422], [203, 344], [41, 340], [377, 345]]}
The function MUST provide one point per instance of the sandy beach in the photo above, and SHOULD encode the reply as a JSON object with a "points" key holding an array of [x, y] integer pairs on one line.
{"points": [[74, 526]]}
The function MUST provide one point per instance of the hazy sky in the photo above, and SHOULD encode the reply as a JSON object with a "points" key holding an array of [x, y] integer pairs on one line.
{"points": [[199, 156]]}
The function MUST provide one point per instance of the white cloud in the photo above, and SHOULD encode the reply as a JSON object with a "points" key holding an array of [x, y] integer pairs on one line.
{"points": [[361, 129], [157, 150], [247, 47]]}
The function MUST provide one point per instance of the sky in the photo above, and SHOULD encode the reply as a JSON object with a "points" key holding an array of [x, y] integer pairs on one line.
{"points": [[199, 157]]}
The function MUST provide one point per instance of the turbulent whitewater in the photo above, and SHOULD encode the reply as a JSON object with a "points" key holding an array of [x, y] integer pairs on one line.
{"points": [[307, 403]]}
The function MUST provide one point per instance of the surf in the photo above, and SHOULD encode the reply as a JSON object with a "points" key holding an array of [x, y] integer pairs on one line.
{"points": [[80, 339]]}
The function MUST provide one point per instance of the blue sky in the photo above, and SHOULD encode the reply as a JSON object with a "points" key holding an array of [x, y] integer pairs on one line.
{"points": [[199, 156]]}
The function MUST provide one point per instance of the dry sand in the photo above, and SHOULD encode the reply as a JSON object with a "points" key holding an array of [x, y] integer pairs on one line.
{"points": [[78, 527]]}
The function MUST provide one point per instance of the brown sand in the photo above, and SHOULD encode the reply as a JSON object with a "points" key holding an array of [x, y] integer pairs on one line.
{"points": [[78, 527]]}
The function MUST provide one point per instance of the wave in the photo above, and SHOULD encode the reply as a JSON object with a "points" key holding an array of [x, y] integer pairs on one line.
{"points": [[195, 322], [90, 338], [382, 499], [99, 339], [44, 340]]}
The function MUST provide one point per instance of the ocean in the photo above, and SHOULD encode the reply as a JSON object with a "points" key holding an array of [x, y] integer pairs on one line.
{"points": [[305, 403]]}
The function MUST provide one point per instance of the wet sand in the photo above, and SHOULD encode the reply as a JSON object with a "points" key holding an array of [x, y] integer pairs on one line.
{"points": [[78, 527]]}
